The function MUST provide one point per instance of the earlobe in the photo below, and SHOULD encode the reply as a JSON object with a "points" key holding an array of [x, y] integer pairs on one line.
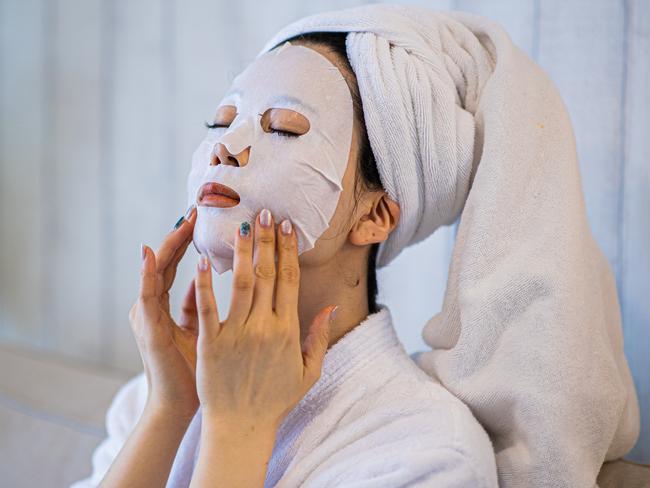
{"points": [[377, 224]]}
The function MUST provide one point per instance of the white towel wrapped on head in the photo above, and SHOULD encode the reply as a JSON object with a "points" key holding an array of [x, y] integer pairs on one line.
{"points": [[463, 122]]}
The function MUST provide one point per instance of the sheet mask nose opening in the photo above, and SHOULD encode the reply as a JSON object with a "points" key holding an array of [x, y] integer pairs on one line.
{"points": [[238, 136]]}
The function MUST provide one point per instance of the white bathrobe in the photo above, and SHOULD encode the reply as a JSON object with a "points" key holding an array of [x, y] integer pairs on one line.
{"points": [[373, 419]]}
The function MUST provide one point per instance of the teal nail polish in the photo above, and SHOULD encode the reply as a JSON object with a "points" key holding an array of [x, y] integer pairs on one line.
{"points": [[180, 221], [244, 229]]}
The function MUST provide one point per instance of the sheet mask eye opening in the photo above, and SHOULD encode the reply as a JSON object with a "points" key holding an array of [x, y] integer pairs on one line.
{"points": [[284, 120]]}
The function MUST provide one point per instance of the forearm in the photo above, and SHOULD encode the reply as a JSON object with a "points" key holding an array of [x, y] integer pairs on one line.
{"points": [[147, 455], [233, 454]]}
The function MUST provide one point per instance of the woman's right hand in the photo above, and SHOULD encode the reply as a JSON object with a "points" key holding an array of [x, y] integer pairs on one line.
{"points": [[167, 349]]}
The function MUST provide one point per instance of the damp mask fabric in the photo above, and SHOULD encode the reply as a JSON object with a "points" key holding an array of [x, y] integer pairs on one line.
{"points": [[297, 178]]}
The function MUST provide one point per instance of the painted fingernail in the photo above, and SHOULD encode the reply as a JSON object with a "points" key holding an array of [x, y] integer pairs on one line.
{"points": [[143, 252], [189, 211], [203, 262], [180, 221], [244, 229], [333, 312], [285, 227], [265, 217]]}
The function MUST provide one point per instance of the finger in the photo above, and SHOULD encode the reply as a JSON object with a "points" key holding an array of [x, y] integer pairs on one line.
{"points": [[175, 239], [169, 273], [148, 296], [189, 316], [205, 302], [316, 344], [263, 264], [288, 279], [241, 298], [165, 278]]}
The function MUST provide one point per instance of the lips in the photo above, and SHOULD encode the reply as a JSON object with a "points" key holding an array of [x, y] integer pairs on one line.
{"points": [[214, 194]]}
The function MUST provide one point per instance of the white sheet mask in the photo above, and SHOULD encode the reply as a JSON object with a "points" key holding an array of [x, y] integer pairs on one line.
{"points": [[298, 178]]}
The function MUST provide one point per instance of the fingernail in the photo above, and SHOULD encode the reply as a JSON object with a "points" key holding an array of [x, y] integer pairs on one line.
{"points": [[285, 227], [244, 229], [333, 312], [143, 252], [189, 211], [265, 217], [203, 262], [180, 221]]}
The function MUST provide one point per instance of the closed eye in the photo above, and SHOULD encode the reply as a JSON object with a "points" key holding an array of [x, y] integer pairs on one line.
{"points": [[215, 125], [283, 133], [223, 118], [284, 122]]}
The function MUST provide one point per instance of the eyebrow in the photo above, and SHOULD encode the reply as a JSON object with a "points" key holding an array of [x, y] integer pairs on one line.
{"points": [[291, 101]]}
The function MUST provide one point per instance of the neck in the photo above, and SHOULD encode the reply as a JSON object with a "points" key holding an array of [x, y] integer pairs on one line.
{"points": [[341, 281]]}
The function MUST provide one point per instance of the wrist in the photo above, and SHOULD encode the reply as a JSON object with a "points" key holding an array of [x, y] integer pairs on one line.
{"points": [[240, 429], [168, 414]]}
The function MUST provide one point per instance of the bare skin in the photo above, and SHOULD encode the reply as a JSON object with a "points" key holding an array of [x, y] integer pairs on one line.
{"points": [[332, 273]]}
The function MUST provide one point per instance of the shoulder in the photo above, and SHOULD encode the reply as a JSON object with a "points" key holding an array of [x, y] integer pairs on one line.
{"points": [[405, 430], [438, 422]]}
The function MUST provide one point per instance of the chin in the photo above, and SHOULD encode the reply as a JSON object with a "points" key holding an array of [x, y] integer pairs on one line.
{"points": [[215, 237]]}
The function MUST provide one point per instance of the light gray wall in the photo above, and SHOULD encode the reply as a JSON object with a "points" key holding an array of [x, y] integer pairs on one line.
{"points": [[103, 102]]}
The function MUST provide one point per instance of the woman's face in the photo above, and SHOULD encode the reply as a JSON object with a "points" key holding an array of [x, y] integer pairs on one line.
{"points": [[284, 138]]}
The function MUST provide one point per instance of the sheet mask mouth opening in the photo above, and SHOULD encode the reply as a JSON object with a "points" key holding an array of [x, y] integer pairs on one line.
{"points": [[214, 194]]}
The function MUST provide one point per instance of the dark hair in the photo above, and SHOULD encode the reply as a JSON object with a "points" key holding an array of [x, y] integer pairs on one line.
{"points": [[367, 165]]}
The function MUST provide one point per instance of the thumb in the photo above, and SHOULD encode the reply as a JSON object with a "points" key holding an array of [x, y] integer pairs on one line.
{"points": [[316, 343]]}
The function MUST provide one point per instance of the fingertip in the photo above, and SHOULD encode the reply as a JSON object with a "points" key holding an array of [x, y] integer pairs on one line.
{"points": [[144, 249], [203, 265], [191, 215], [244, 230], [332, 313]]}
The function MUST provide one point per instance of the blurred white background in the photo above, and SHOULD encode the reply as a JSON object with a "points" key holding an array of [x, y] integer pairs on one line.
{"points": [[101, 106]]}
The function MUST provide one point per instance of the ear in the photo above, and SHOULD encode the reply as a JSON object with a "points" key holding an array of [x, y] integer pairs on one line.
{"points": [[377, 221]]}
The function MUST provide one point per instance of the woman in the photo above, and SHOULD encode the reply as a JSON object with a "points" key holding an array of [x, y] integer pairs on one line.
{"points": [[370, 392], [532, 347]]}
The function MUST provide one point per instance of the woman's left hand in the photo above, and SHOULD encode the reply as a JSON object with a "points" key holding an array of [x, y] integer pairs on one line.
{"points": [[251, 367]]}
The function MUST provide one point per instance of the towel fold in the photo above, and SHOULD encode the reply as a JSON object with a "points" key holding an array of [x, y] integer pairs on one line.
{"points": [[462, 122]]}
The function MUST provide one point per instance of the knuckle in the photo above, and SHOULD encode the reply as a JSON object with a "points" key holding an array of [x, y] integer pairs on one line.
{"points": [[266, 239], [288, 244], [242, 282], [205, 308], [289, 274], [143, 300], [203, 286], [264, 271], [257, 334]]}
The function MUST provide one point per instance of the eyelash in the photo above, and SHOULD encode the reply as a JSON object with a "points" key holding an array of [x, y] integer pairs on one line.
{"points": [[280, 133], [214, 126]]}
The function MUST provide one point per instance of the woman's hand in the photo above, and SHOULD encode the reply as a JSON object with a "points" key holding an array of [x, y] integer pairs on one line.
{"points": [[168, 350], [251, 368]]}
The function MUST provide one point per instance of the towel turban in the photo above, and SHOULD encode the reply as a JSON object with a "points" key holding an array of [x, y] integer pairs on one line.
{"points": [[420, 83], [463, 123]]}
